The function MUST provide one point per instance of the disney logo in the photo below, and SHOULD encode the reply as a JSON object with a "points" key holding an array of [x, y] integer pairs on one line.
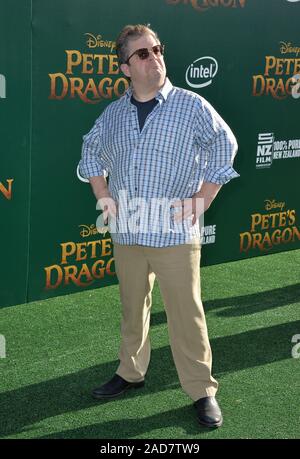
{"points": [[288, 48], [272, 204], [92, 230], [97, 42]]}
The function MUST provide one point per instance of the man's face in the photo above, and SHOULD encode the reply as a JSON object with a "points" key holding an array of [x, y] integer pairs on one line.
{"points": [[150, 71]]}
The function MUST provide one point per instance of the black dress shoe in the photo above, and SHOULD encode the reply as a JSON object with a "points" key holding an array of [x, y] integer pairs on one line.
{"points": [[208, 412], [115, 387]]}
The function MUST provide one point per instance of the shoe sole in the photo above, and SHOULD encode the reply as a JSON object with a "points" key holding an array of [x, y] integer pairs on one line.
{"points": [[216, 424], [132, 386]]}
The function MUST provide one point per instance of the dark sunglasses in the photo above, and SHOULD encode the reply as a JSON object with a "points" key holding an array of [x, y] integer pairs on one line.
{"points": [[143, 53]]}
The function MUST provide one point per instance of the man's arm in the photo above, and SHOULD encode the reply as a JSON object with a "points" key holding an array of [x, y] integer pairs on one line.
{"points": [[208, 192], [99, 186], [103, 196], [92, 168], [193, 206]]}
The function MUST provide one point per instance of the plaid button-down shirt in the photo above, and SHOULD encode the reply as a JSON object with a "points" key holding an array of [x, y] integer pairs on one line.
{"points": [[184, 142]]}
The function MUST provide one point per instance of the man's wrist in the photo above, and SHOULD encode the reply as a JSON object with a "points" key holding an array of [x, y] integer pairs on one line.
{"points": [[103, 193], [207, 199], [208, 192], [99, 186]]}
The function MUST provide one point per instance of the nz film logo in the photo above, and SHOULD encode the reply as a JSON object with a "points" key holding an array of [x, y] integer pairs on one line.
{"points": [[270, 149], [2, 87], [264, 155]]}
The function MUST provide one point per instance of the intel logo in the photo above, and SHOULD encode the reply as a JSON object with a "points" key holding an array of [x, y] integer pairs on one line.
{"points": [[201, 72]]}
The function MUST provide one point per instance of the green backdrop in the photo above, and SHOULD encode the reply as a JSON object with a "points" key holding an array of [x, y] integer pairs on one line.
{"points": [[15, 121], [58, 72]]}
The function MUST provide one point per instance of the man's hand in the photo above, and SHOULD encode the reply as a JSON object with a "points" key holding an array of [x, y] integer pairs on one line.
{"points": [[104, 199], [197, 204], [109, 207], [188, 207]]}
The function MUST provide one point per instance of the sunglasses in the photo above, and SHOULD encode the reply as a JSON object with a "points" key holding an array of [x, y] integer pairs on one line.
{"points": [[143, 53]]}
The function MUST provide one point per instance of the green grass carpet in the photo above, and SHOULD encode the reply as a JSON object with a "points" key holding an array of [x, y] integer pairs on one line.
{"points": [[59, 349]]}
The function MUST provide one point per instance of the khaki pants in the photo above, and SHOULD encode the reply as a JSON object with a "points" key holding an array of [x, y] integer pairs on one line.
{"points": [[177, 269]]}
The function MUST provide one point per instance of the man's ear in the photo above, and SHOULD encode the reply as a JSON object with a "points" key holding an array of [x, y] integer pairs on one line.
{"points": [[125, 69]]}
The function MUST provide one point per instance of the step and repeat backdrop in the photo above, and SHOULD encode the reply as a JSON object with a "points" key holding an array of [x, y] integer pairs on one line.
{"points": [[58, 72]]}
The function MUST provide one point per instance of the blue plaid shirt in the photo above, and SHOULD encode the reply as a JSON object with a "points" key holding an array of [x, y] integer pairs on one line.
{"points": [[184, 142]]}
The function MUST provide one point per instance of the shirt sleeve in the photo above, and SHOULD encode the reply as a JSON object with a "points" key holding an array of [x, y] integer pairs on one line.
{"points": [[91, 164], [218, 145]]}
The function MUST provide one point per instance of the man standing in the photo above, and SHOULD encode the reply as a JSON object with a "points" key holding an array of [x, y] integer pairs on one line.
{"points": [[159, 142]]}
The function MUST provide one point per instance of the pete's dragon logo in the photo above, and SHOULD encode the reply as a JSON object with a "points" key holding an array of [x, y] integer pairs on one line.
{"points": [[91, 77], [6, 191], [280, 77], [203, 5], [272, 227]]}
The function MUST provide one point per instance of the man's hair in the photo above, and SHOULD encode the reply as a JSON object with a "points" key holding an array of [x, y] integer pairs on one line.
{"points": [[131, 32]]}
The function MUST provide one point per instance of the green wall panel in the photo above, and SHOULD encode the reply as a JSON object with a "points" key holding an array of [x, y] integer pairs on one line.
{"points": [[241, 55], [15, 90]]}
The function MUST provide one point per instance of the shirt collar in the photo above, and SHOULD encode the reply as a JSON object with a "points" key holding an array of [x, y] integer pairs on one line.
{"points": [[161, 95]]}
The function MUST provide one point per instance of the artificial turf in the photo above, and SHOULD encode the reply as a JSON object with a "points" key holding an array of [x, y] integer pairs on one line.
{"points": [[59, 349]]}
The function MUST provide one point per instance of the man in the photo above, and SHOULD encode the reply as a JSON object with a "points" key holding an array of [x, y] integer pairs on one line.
{"points": [[159, 142]]}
